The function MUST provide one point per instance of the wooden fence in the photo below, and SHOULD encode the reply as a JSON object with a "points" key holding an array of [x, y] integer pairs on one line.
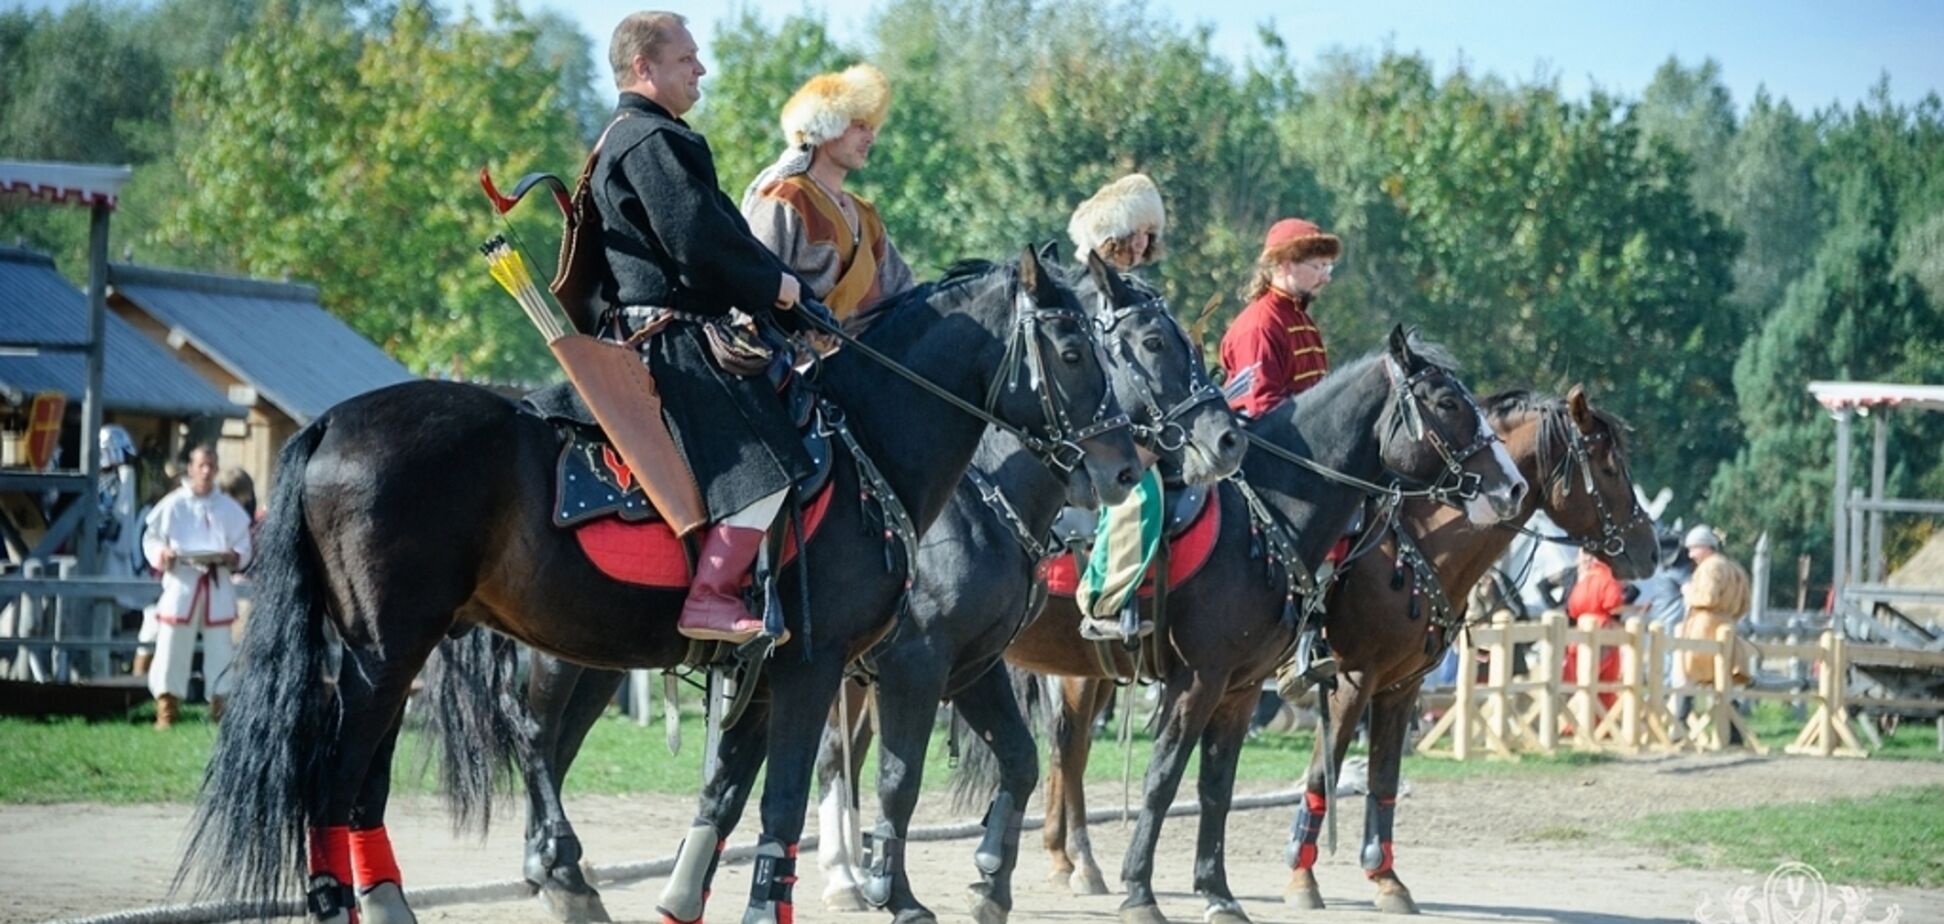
{"points": [[1524, 704]]}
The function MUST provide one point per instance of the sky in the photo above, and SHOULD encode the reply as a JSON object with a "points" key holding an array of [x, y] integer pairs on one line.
{"points": [[1812, 53]]}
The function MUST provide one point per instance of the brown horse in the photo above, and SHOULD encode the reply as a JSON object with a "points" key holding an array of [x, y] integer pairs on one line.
{"points": [[1389, 622], [1235, 621]]}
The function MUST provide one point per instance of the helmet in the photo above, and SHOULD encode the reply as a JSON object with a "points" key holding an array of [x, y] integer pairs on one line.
{"points": [[117, 448]]}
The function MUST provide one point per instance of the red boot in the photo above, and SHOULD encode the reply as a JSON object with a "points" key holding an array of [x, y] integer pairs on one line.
{"points": [[714, 609]]}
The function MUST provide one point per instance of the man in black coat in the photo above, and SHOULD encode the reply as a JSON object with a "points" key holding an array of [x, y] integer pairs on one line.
{"points": [[674, 242]]}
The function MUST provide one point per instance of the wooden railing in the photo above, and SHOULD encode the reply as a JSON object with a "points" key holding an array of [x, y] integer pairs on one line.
{"points": [[1524, 704]]}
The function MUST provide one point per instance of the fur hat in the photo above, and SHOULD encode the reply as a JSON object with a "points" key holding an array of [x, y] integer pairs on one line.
{"points": [[1297, 239], [827, 105], [1119, 209]]}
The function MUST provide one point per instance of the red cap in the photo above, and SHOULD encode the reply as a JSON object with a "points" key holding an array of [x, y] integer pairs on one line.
{"points": [[1299, 239]]}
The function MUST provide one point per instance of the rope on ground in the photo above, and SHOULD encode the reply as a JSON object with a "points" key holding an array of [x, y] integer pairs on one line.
{"points": [[213, 912]]}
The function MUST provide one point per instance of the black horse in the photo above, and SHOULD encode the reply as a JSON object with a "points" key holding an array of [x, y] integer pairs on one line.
{"points": [[415, 512], [1232, 623], [1177, 414]]}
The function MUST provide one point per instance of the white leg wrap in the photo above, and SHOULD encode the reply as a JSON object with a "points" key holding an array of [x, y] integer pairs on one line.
{"points": [[385, 904], [682, 898]]}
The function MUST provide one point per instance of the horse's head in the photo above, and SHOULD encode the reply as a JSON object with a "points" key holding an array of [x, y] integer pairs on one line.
{"points": [[1053, 385], [1585, 486], [1179, 415], [1434, 433]]}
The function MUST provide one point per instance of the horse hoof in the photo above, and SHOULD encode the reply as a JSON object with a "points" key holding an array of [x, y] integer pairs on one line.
{"points": [[1396, 903], [1229, 915], [983, 909], [573, 907], [1143, 914], [1304, 898], [385, 904], [1087, 882], [915, 916], [844, 900]]}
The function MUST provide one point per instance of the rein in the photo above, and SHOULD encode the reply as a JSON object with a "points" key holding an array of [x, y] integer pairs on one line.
{"points": [[1061, 449]]}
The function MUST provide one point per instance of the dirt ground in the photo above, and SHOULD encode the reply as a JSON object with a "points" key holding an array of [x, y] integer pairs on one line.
{"points": [[1477, 849]]}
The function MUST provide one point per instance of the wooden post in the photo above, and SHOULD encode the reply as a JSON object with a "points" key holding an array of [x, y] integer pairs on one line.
{"points": [[1461, 705], [1548, 652], [1724, 683], [1498, 675], [1630, 730], [1585, 673]]}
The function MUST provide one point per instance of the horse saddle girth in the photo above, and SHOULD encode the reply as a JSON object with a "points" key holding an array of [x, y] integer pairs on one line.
{"points": [[1076, 526], [592, 481]]}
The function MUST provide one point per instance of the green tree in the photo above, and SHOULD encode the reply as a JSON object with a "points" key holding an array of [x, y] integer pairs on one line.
{"points": [[1851, 317], [360, 176], [1769, 193]]}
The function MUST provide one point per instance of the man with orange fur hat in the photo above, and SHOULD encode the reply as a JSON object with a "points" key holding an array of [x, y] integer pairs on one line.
{"points": [[831, 238]]}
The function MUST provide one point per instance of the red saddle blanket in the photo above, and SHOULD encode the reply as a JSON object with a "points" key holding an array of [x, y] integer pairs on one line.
{"points": [[1186, 555], [648, 553]]}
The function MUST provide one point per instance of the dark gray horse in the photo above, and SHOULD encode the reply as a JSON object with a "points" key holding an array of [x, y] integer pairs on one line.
{"points": [[408, 514], [1156, 374], [976, 590], [1229, 626]]}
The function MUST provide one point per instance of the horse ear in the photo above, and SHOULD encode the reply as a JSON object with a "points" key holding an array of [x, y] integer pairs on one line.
{"points": [[1400, 347], [1582, 411], [1032, 278], [1109, 281], [1049, 252]]}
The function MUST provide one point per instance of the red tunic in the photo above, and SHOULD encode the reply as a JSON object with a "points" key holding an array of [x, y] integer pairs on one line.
{"points": [[1279, 338]]}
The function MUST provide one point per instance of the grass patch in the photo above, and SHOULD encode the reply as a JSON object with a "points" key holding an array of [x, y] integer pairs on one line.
{"points": [[1777, 726], [126, 762], [1896, 838]]}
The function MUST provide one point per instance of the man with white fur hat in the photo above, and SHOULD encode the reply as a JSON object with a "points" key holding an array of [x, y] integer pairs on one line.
{"points": [[1123, 223], [798, 207]]}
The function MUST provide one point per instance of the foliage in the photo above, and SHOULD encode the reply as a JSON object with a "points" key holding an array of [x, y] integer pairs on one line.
{"points": [[1693, 259], [361, 175]]}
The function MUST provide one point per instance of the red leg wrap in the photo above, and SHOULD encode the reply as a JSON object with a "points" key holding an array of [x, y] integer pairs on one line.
{"points": [[1316, 803], [1306, 856], [371, 859], [330, 853]]}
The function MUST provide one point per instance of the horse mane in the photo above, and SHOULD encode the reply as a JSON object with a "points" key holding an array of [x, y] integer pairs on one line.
{"points": [[1554, 417]]}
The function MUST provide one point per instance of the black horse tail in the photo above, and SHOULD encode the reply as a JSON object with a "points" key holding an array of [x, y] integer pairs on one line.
{"points": [[976, 779], [476, 721], [270, 773]]}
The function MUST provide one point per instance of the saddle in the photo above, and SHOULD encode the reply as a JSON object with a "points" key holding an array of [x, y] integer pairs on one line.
{"points": [[600, 500], [1190, 529]]}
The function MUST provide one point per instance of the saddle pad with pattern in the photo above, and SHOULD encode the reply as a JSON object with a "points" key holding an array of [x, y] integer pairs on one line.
{"points": [[1188, 551], [647, 553]]}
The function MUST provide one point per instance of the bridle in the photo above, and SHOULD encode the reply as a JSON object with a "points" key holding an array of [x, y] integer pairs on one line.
{"points": [[1059, 448], [1454, 485], [1612, 541], [1162, 430]]}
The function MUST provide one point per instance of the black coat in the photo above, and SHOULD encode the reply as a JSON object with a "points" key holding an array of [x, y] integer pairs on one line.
{"points": [[674, 240]]}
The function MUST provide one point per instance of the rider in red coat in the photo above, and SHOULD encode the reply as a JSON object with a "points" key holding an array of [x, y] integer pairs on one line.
{"points": [[1274, 340]]}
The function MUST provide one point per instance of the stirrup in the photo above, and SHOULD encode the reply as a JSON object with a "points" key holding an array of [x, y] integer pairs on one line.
{"points": [[1097, 629], [1312, 666]]}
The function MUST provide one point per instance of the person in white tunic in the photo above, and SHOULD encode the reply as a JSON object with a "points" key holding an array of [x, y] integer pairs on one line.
{"points": [[198, 538]]}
